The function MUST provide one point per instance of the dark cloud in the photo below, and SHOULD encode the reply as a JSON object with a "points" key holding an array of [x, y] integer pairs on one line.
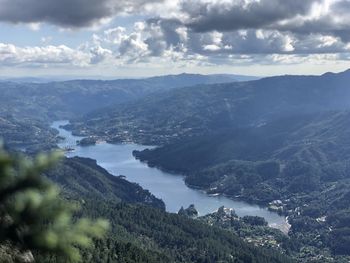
{"points": [[163, 35], [335, 22], [215, 30], [67, 13], [281, 15], [168, 28], [257, 42], [208, 16]]}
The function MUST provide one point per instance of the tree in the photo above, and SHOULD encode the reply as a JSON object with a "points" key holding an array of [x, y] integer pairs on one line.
{"points": [[34, 217]]}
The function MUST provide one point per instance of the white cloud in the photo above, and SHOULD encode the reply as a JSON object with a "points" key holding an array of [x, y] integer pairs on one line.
{"points": [[115, 35], [68, 13], [34, 26], [99, 54], [189, 32], [41, 56]]}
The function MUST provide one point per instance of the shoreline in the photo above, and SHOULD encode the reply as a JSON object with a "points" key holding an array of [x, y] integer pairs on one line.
{"points": [[284, 226]]}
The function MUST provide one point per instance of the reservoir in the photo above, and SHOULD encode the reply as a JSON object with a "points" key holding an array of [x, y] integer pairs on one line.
{"points": [[118, 160]]}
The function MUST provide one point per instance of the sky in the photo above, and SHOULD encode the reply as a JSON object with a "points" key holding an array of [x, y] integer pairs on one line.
{"points": [[138, 38]]}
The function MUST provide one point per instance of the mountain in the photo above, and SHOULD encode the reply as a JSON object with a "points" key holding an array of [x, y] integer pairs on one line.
{"points": [[282, 142], [194, 78], [26, 108], [314, 138], [202, 109], [185, 79], [69, 99], [25, 80]]}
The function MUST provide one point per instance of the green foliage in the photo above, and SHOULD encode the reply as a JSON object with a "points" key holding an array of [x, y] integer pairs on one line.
{"points": [[32, 215], [176, 238], [255, 220], [252, 229], [340, 240], [268, 170]]}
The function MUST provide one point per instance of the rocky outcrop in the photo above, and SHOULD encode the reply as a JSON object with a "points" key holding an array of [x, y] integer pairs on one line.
{"points": [[191, 211]]}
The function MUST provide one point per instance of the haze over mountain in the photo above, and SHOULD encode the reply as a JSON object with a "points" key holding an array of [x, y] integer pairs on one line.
{"points": [[76, 97], [24, 104], [211, 78], [210, 108]]}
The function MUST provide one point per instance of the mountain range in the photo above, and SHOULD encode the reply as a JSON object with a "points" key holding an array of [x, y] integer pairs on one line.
{"points": [[281, 141]]}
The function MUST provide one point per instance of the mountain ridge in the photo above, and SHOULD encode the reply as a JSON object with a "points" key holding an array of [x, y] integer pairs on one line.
{"points": [[206, 108]]}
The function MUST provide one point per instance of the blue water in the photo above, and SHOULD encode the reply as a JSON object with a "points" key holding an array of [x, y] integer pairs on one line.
{"points": [[118, 160]]}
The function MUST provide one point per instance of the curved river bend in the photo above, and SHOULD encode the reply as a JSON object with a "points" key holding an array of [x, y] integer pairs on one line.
{"points": [[118, 160]]}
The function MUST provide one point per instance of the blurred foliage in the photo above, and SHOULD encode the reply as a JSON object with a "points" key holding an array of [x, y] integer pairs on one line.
{"points": [[33, 216]]}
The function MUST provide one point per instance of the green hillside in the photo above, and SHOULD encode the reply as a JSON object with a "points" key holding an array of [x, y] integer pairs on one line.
{"points": [[142, 233], [82, 177]]}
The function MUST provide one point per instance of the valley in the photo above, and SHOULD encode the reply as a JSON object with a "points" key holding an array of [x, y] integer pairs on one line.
{"points": [[279, 142], [118, 160], [175, 131]]}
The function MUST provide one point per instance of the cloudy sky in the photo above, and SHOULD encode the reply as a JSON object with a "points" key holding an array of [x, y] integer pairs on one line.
{"points": [[133, 38]]}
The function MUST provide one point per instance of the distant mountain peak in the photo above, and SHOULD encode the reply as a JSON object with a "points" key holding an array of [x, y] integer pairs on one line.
{"points": [[344, 73]]}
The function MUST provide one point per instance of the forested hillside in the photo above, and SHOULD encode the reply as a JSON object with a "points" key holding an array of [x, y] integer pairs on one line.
{"points": [[26, 134], [81, 177], [141, 233]]}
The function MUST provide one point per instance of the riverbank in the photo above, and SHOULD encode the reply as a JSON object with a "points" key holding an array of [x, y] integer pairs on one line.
{"points": [[171, 188], [282, 226]]}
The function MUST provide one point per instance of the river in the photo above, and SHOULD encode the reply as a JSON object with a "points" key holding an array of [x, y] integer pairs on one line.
{"points": [[118, 160]]}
